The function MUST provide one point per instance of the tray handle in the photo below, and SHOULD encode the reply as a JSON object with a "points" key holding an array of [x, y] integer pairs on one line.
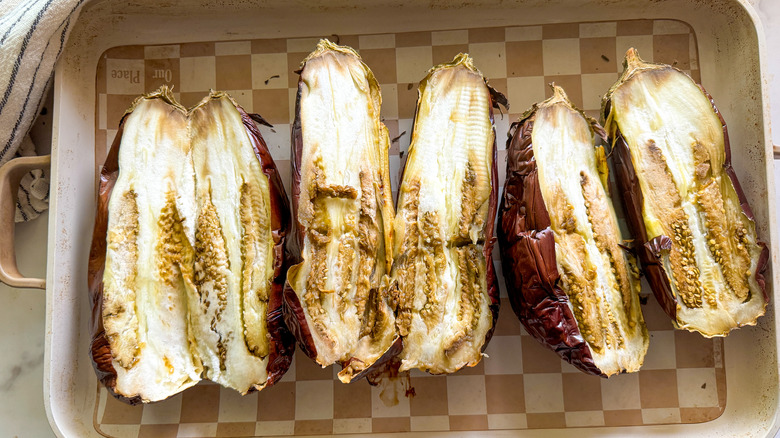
{"points": [[11, 174], [777, 151]]}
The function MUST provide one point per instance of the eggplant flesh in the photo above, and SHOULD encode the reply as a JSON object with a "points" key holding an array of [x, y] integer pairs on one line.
{"points": [[234, 260], [696, 225], [599, 278], [443, 225], [185, 265], [148, 259], [344, 212]]}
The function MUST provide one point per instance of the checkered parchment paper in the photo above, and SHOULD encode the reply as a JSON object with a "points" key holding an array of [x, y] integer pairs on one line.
{"points": [[521, 385]]}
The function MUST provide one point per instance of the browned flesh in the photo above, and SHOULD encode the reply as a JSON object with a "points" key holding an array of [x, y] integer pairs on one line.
{"points": [[254, 287], [355, 237], [119, 313], [441, 282], [605, 234], [174, 251], [211, 270], [727, 236], [471, 269], [406, 272], [594, 314], [674, 221]]}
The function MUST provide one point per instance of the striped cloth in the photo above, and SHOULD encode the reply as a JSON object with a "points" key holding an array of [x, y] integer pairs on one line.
{"points": [[32, 37]]}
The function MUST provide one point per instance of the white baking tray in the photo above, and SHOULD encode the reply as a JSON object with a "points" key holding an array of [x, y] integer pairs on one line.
{"points": [[731, 49]]}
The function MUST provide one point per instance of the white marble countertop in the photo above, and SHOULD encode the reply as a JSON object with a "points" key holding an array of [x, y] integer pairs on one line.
{"points": [[22, 311]]}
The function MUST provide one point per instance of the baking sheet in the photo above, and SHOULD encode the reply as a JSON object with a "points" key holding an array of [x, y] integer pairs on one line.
{"points": [[521, 384]]}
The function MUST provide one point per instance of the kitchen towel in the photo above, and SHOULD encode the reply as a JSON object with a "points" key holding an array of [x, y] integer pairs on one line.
{"points": [[32, 36]]}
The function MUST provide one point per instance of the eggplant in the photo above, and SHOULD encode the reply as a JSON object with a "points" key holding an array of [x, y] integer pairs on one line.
{"points": [[696, 234], [156, 250], [336, 294], [141, 256], [444, 285], [241, 223], [568, 277]]}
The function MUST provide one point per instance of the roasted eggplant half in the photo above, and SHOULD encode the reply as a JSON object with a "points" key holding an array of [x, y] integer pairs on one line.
{"points": [[140, 267], [241, 222], [443, 281], [186, 266], [342, 204], [569, 279], [696, 235]]}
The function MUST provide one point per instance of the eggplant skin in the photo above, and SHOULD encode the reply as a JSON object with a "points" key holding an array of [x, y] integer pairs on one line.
{"points": [[282, 343], [700, 311]]}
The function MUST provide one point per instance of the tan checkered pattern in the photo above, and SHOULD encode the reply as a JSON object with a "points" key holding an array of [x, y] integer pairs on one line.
{"points": [[521, 384]]}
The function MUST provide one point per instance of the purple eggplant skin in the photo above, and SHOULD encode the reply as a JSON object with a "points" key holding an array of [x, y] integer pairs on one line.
{"points": [[527, 247], [490, 227]]}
